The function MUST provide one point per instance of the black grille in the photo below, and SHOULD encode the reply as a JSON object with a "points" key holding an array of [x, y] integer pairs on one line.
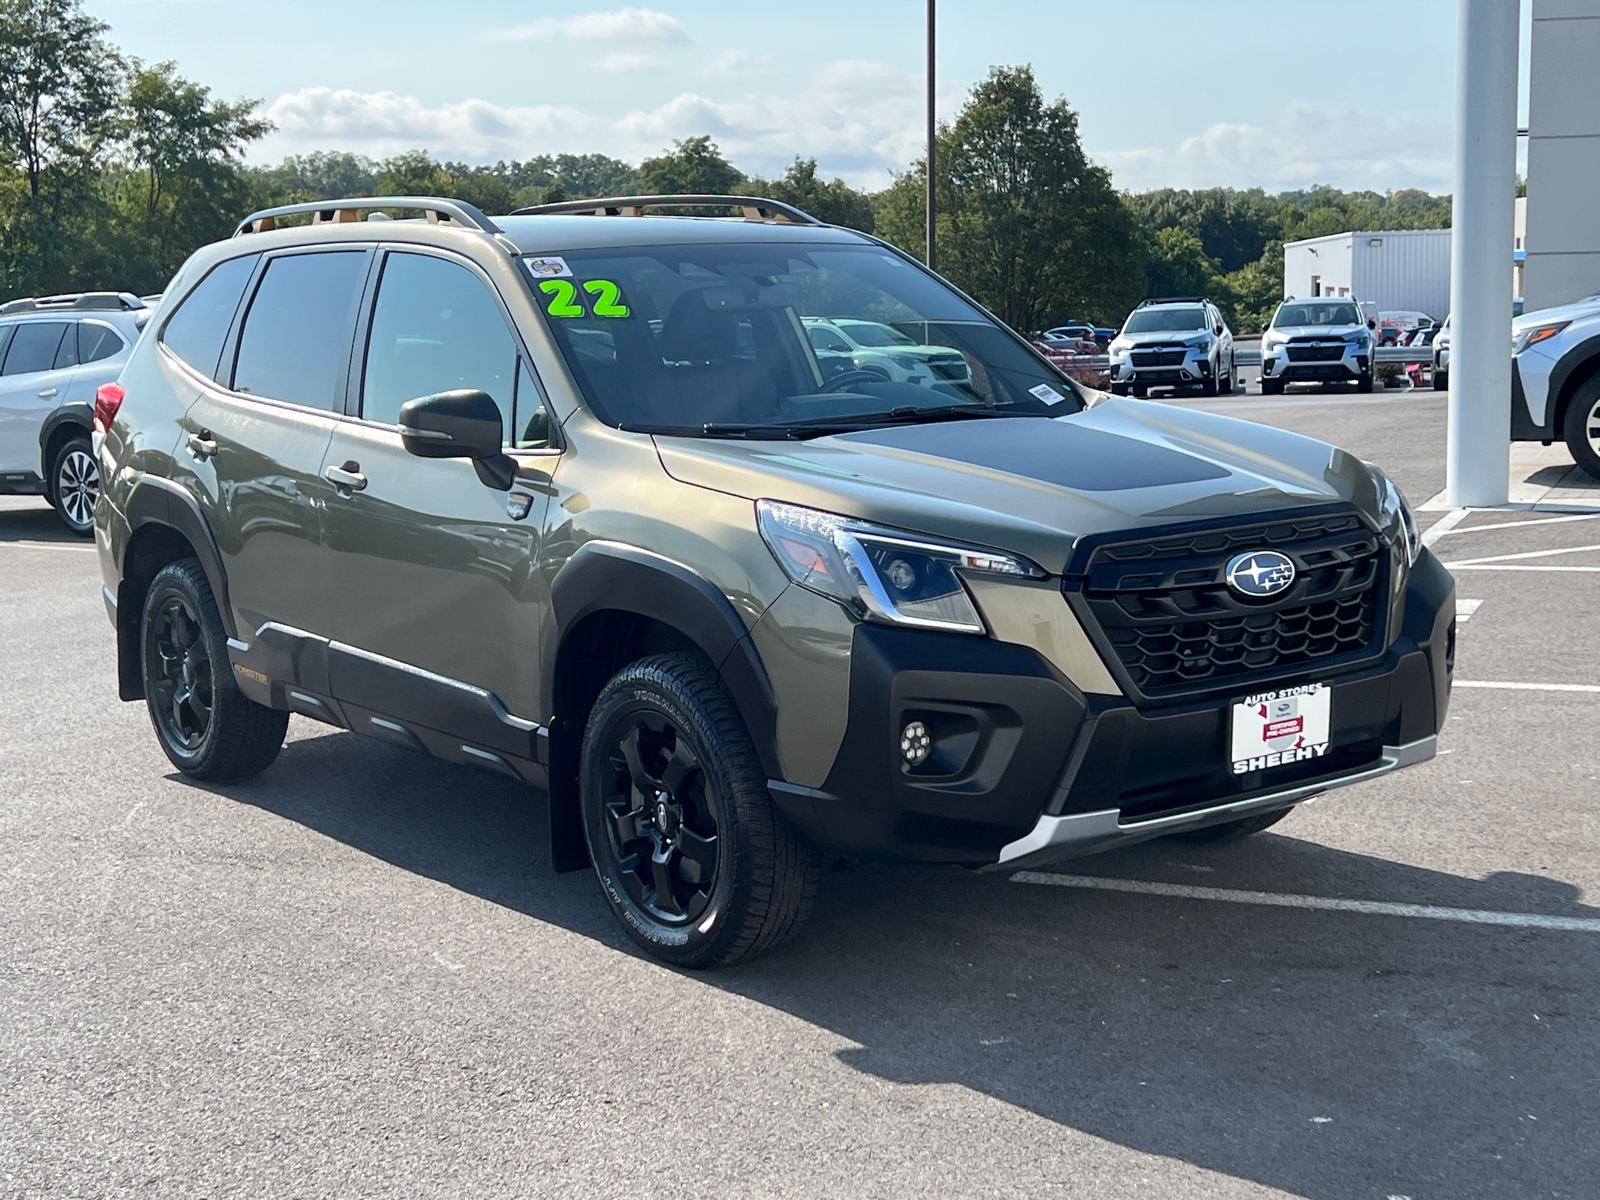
{"points": [[1308, 352], [1165, 611], [949, 368], [1158, 358]]}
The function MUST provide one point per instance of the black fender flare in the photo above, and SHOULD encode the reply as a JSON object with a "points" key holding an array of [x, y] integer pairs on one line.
{"points": [[158, 501], [76, 414], [613, 575]]}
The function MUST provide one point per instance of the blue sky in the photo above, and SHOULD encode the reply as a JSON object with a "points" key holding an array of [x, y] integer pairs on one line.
{"points": [[1286, 94]]}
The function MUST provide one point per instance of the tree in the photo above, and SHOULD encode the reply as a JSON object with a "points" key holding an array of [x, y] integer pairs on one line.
{"points": [[1027, 223], [694, 166], [1179, 266], [837, 202], [173, 128], [59, 84]]}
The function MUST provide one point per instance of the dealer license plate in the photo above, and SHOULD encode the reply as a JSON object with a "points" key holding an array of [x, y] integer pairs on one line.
{"points": [[1279, 728]]}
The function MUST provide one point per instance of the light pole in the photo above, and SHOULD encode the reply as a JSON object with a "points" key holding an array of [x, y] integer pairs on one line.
{"points": [[1477, 460], [932, 256]]}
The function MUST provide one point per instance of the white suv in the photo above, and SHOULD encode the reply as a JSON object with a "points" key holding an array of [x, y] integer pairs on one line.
{"points": [[1316, 341], [1173, 342], [849, 344], [1555, 379], [55, 352]]}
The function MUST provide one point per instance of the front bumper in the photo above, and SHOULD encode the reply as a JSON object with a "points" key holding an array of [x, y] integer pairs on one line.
{"points": [[1350, 367], [1196, 368], [1026, 767]]}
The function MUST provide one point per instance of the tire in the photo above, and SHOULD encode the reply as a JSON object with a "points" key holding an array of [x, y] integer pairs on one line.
{"points": [[205, 724], [1364, 383], [1119, 389], [1210, 387], [1582, 426], [1272, 387], [75, 486], [1225, 382], [1140, 391], [738, 879], [1233, 831], [1441, 381]]}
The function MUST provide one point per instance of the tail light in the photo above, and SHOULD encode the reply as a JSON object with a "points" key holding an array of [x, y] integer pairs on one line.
{"points": [[107, 400]]}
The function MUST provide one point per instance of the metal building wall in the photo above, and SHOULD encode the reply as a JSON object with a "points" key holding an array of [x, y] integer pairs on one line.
{"points": [[1408, 271], [1326, 258], [1563, 240]]}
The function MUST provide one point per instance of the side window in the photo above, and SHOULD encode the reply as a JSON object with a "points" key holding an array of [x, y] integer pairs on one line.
{"points": [[34, 347], [824, 339], [97, 341], [67, 351], [533, 414], [295, 332], [196, 331], [436, 328]]}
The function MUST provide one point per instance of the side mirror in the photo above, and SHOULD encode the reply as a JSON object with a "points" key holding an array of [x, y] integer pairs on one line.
{"points": [[459, 424], [1371, 324]]}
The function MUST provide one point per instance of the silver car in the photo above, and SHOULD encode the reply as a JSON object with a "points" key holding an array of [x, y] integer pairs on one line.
{"points": [[1555, 379], [1316, 341], [1178, 342], [55, 353]]}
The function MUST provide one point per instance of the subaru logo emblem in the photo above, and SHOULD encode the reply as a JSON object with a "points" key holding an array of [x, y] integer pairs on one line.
{"points": [[1260, 573]]}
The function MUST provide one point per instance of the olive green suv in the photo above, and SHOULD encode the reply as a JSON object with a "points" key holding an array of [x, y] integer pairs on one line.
{"points": [[571, 496]]}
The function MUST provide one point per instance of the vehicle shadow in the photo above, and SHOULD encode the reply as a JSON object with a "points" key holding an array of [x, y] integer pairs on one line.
{"points": [[1332, 1055], [32, 519]]}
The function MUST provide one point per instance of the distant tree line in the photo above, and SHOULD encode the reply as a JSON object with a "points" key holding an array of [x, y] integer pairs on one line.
{"points": [[113, 170]]}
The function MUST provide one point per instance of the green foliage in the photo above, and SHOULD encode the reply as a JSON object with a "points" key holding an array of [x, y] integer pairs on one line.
{"points": [[694, 166], [1026, 223], [1179, 266], [837, 202]]}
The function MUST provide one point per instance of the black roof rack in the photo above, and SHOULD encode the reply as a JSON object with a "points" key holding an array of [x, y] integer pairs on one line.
{"points": [[76, 301], [436, 210], [754, 208], [1175, 300]]}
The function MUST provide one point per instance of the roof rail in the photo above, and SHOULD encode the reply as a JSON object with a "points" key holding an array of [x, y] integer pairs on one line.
{"points": [[101, 301], [437, 211], [755, 208], [1175, 300]]}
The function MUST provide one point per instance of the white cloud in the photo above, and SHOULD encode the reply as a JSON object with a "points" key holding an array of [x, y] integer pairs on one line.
{"points": [[1299, 147], [729, 63], [861, 120], [639, 24]]}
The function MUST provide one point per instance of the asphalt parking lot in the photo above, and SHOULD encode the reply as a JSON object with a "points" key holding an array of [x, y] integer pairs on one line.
{"points": [[357, 975]]}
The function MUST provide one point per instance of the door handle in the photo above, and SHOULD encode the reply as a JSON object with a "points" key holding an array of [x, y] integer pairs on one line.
{"points": [[201, 445], [347, 478], [47, 394]]}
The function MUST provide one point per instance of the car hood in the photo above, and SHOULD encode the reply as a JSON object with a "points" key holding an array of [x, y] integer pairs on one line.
{"points": [[1334, 332], [1163, 335], [1545, 316], [1034, 486]]}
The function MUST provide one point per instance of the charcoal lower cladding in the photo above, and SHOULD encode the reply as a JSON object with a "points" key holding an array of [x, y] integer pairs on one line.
{"points": [[1165, 611]]}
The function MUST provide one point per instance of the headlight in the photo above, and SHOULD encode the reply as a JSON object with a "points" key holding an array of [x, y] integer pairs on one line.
{"points": [[1271, 341], [1535, 334], [1119, 346], [1356, 339], [882, 574], [1199, 343], [905, 362], [1395, 514]]}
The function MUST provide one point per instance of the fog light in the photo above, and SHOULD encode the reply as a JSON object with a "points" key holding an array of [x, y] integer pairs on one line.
{"points": [[915, 744]]}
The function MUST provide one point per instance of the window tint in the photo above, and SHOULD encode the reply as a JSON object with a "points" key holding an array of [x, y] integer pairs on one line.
{"points": [[96, 341], [533, 415], [33, 347], [67, 351], [195, 332], [436, 328], [292, 347]]}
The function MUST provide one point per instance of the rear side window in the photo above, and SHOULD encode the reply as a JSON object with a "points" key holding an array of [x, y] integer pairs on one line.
{"points": [[293, 344], [436, 328], [34, 347], [96, 341], [196, 331]]}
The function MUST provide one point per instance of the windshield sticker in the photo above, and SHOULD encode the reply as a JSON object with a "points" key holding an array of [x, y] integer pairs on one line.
{"points": [[1046, 393], [548, 268], [561, 303], [605, 293]]}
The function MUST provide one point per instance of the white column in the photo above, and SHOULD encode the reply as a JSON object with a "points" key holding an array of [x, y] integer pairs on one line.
{"points": [[1477, 457]]}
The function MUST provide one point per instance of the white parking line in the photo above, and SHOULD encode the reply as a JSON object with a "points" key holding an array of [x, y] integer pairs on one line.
{"points": [[1511, 567], [1525, 687], [1465, 609], [48, 546], [1444, 525], [1450, 529], [1428, 912], [1521, 554]]}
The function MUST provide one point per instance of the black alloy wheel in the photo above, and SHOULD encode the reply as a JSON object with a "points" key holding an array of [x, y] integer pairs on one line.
{"points": [[207, 727], [180, 675], [75, 486], [1582, 426], [693, 858], [660, 818]]}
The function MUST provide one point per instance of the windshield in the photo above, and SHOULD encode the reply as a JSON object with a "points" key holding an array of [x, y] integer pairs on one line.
{"points": [[722, 340], [1314, 313], [1152, 320], [870, 333]]}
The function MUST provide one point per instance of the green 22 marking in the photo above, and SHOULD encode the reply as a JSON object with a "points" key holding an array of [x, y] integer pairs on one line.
{"points": [[561, 305], [605, 293]]}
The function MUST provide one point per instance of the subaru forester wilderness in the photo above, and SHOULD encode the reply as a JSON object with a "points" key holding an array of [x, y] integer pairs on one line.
{"points": [[568, 496]]}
